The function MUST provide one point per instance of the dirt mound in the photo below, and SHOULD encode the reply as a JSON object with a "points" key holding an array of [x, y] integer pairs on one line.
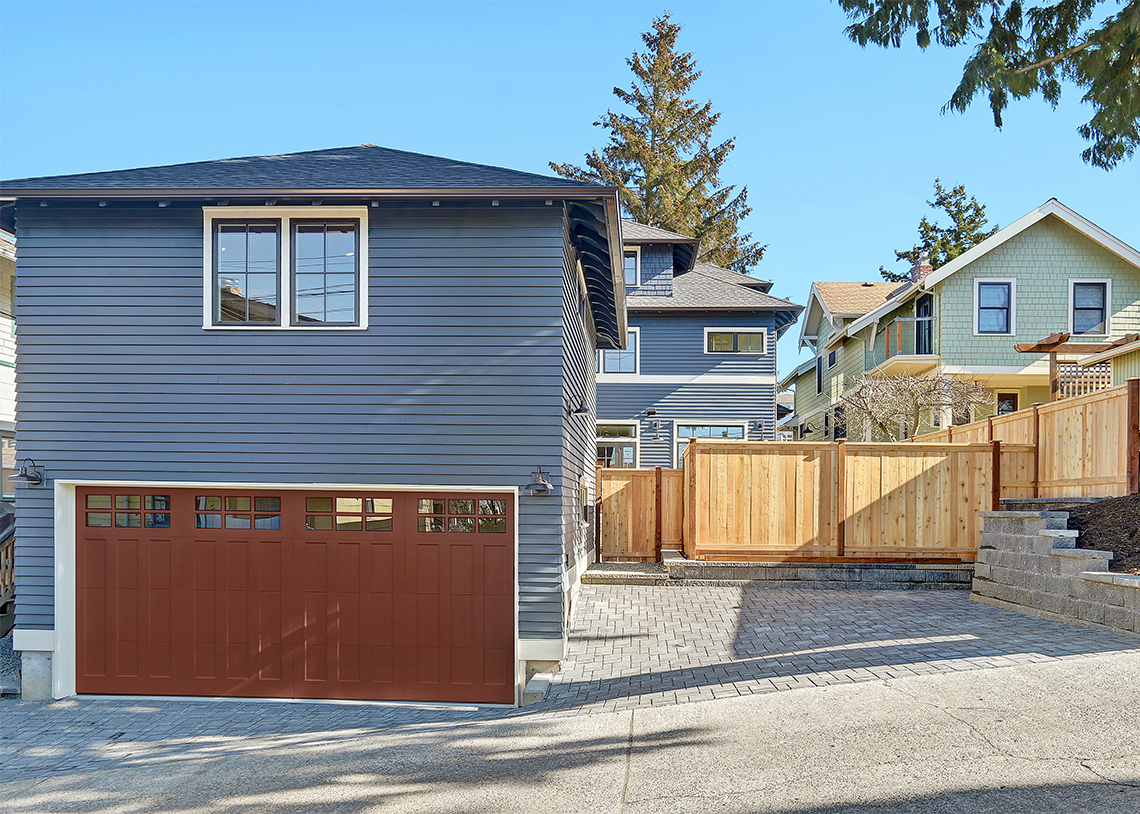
{"points": [[1111, 525]]}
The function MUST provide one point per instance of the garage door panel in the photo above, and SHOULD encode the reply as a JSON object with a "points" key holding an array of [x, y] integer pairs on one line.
{"points": [[257, 593]]}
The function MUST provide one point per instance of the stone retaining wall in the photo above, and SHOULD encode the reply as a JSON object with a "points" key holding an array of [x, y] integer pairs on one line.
{"points": [[1028, 561]]}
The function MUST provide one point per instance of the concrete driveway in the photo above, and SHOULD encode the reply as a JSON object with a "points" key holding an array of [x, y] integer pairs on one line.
{"points": [[985, 710]]}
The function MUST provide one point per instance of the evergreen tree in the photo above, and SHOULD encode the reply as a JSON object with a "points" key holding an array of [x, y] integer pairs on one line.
{"points": [[1023, 48], [662, 159], [968, 229]]}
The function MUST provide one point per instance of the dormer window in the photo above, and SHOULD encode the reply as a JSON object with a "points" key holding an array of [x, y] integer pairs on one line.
{"points": [[632, 260]]}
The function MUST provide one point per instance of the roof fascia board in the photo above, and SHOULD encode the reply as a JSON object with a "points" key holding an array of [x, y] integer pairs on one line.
{"points": [[181, 194], [795, 374], [617, 266], [790, 309], [1053, 207], [1111, 353], [813, 295], [638, 241], [986, 246]]}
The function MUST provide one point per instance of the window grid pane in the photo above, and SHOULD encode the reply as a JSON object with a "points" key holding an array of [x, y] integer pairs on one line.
{"points": [[994, 302], [1089, 308], [324, 273], [246, 273]]}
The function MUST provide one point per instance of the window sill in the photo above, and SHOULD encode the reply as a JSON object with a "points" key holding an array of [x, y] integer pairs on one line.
{"points": [[284, 328]]}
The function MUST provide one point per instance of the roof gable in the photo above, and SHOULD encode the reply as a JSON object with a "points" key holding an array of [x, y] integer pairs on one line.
{"points": [[1051, 207]]}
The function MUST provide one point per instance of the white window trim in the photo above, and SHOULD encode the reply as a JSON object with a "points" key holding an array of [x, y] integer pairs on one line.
{"points": [[719, 422], [757, 330], [1012, 303], [285, 215], [818, 375], [637, 251], [1107, 303], [635, 440], [603, 376], [830, 364]]}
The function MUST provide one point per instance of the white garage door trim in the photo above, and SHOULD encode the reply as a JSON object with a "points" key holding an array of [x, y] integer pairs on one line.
{"points": [[63, 663]]}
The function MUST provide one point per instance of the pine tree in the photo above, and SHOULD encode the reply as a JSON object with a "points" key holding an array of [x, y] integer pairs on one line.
{"points": [[1023, 48], [662, 159], [967, 229]]}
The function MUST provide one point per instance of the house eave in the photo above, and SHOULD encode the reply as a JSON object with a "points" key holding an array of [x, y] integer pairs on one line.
{"points": [[338, 193]]}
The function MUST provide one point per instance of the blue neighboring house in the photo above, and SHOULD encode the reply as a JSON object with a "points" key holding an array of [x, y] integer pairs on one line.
{"points": [[314, 425], [701, 356]]}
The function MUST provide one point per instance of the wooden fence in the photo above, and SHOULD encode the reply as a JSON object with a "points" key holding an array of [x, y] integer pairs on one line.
{"points": [[639, 512], [811, 501], [844, 502], [1086, 446]]}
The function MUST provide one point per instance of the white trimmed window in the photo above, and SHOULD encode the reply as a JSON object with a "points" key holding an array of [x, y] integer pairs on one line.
{"points": [[285, 268], [685, 431], [1090, 311], [623, 361], [736, 340], [617, 444], [631, 262], [995, 307]]}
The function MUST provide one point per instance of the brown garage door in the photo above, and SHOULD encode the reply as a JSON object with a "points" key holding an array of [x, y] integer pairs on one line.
{"points": [[290, 594]]}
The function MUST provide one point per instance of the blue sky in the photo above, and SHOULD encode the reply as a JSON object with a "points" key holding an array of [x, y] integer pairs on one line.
{"points": [[838, 146]]}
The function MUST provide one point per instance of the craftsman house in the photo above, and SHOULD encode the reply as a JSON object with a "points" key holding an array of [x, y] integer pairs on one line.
{"points": [[308, 426], [1051, 271], [701, 358]]}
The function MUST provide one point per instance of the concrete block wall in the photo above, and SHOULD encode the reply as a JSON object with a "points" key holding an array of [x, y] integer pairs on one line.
{"points": [[1028, 562]]}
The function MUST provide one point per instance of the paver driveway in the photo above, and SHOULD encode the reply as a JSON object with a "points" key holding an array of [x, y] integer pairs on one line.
{"points": [[631, 646], [639, 645]]}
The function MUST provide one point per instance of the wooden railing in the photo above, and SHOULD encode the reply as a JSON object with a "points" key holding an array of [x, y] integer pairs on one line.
{"points": [[1086, 446]]}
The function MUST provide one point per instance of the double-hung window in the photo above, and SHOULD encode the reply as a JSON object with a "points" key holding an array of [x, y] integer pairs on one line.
{"points": [[276, 267], [994, 306], [631, 264], [1089, 313], [622, 361]]}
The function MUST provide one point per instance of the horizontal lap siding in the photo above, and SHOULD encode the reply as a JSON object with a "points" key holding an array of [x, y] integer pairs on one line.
{"points": [[458, 380], [673, 345], [578, 450]]}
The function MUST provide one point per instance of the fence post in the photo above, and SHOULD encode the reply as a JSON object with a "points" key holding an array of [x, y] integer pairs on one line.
{"points": [[996, 480], [841, 497], [990, 425], [1133, 435], [657, 513], [598, 515], [1036, 451], [950, 434]]}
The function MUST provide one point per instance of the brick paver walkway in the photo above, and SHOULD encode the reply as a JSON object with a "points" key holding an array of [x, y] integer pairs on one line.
{"points": [[639, 645], [631, 646]]}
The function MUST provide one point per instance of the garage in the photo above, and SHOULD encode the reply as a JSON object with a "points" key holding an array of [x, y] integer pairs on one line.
{"points": [[281, 593]]}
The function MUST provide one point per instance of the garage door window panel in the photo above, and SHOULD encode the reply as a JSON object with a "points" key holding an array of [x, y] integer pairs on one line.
{"points": [[238, 512], [349, 513]]}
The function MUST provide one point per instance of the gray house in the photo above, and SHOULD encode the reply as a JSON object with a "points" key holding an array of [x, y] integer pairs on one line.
{"points": [[290, 413], [701, 357]]}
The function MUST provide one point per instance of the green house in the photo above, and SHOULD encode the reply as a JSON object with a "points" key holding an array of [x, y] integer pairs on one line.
{"points": [[1050, 271]]}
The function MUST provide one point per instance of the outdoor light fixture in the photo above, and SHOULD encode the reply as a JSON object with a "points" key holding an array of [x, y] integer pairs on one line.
{"points": [[581, 409], [539, 485], [33, 478]]}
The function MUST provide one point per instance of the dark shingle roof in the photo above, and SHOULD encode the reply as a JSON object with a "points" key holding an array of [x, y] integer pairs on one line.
{"points": [[734, 277], [634, 232], [363, 167]]}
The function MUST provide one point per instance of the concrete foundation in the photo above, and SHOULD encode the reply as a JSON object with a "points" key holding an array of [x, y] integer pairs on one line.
{"points": [[35, 675]]}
